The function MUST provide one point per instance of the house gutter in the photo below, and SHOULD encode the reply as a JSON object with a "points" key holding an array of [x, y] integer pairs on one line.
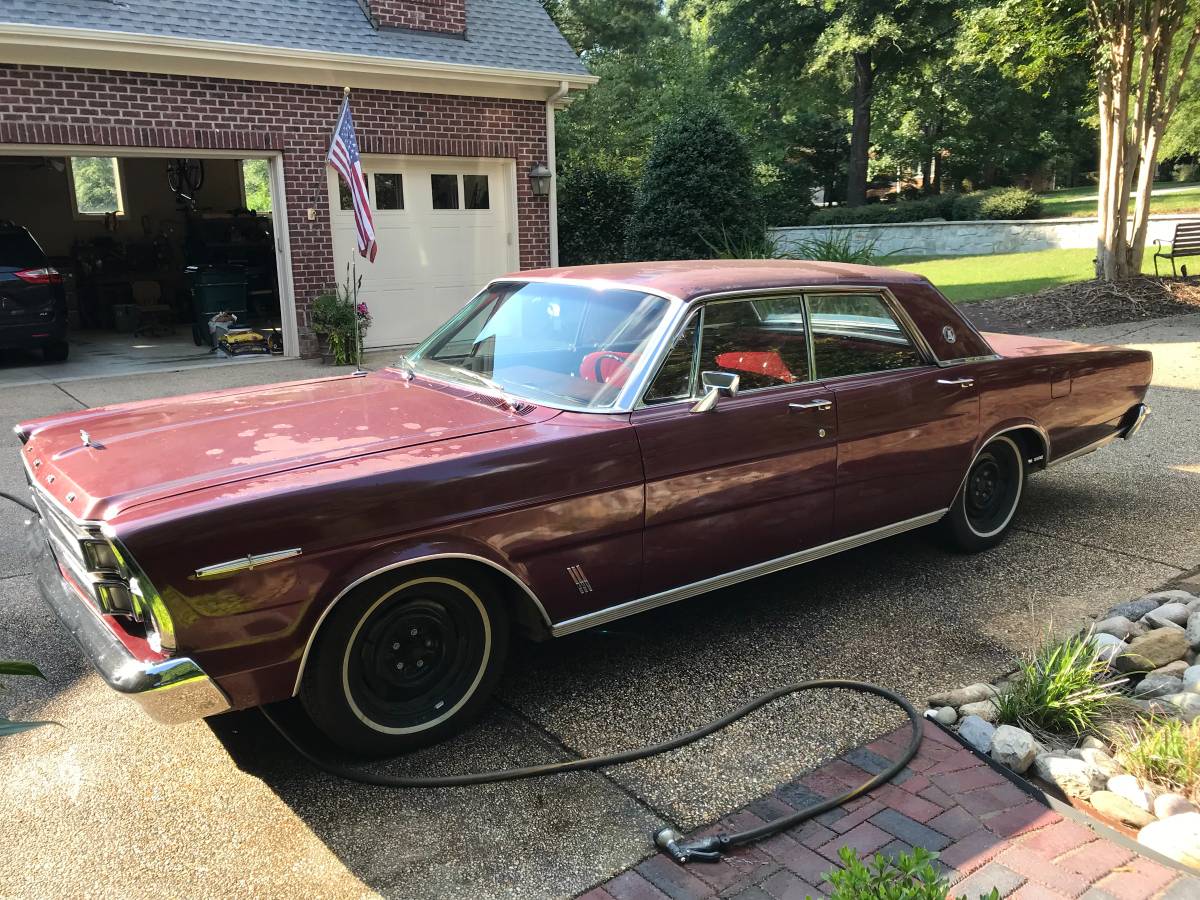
{"points": [[551, 163], [90, 48]]}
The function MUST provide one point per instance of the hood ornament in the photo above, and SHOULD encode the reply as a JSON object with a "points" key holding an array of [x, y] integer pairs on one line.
{"points": [[85, 437]]}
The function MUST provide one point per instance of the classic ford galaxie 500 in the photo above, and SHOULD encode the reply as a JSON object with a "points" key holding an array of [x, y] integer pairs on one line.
{"points": [[574, 446]]}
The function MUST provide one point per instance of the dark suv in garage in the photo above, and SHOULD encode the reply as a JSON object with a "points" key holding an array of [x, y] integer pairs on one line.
{"points": [[33, 304]]}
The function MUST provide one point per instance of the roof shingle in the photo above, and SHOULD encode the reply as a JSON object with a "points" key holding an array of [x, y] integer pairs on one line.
{"points": [[506, 34]]}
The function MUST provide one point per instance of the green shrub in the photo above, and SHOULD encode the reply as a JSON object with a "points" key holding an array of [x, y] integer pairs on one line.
{"points": [[907, 877], [837, 247], [1061, 689], [998, 203], [1163, 751], [785, 194], [696, 188], [594, 205]]}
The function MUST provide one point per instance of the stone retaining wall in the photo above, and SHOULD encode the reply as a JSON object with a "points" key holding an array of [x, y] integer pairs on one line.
{"points": [[940, 238]]}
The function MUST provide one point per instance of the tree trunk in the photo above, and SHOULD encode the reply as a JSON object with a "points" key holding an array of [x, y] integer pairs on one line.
{"points": [[937, 173], [860, 130], [927, 175]]}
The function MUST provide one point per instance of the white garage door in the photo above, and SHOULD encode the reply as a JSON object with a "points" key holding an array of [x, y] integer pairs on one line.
{"points": [[445, 227]]}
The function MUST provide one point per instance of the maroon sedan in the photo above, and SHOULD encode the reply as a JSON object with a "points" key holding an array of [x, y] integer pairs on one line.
{"points": [[574, 446]]}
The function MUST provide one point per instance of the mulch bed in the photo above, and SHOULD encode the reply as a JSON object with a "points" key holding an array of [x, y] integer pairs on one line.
{"points": [[1087, 303]]}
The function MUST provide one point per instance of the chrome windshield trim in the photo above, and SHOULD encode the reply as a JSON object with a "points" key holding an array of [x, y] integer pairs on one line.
{"points": [[663, 598], [246, 563]]}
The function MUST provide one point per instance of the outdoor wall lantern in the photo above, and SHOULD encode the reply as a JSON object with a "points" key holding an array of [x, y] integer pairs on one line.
{"points": [[539, 178]]}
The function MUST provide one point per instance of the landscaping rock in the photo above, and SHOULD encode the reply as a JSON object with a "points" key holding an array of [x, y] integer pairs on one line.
{"points": [[1191, 679], [1014, 748], [1170, 615], [972, 693], [1091, 742], [1134, 609], [1132, 790], [1110, 646], [1074, 777], [946, 715], [1186, 705], [1169, 805], [1177, 838], [977, 732], [1117, 626], [1176, 668], [1101, 760], [1138, 629], [1175, 595], [1193, 630], [1153, 650], [1117, 807], [984, 709], [1158, 686]]}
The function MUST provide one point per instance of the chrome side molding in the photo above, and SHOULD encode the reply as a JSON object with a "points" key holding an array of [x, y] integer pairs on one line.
{"points": [[633, 607], [246, 563]]}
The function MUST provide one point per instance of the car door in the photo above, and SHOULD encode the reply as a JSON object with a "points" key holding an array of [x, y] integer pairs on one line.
{"points": [[752, 479], [906, 426]]}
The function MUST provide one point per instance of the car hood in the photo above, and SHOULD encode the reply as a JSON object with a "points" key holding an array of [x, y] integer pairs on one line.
{"points": [[139, 452]]}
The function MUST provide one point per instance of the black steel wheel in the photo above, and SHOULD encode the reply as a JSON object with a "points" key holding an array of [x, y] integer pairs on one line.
{"points": [[989, 497], [406, 660]]}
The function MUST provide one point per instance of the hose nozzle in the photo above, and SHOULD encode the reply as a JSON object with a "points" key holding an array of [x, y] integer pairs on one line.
{"points": [[704, 850]]}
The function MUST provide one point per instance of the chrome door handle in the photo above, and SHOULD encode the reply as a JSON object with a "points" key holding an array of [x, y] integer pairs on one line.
{"points": [[963, 382], [812, 404]]}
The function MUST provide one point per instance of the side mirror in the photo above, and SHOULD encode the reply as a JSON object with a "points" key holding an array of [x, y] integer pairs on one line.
{"points": [[716, 385]]}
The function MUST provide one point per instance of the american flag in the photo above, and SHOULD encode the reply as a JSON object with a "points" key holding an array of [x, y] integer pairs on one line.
{"points": [[343, 156]]}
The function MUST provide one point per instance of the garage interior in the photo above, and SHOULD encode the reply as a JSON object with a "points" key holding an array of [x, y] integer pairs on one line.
{"points": [[151, 249]]}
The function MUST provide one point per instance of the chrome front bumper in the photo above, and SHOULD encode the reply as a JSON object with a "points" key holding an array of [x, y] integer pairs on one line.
{"points": [[170, 691]]}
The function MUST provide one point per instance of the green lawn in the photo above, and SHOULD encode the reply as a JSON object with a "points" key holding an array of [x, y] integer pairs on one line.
{"points": [[965, 279], [1168, 197]]}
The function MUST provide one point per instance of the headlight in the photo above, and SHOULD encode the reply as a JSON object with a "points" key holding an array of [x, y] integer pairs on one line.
{"points": [[100, 557]]}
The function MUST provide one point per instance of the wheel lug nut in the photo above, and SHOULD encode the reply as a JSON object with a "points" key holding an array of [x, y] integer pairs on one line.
{"points": [[399, 665], [420, 663], [413, 632], [395, 645]]}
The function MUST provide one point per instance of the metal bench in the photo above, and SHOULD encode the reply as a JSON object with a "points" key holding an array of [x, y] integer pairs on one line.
{"points": [[1186, 242]]}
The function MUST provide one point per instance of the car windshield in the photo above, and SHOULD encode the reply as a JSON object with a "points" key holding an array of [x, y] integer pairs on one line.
{"points": [[560, 344]]}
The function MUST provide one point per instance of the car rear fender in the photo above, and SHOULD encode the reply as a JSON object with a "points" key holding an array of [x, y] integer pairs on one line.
{"points": [[527, 609]]}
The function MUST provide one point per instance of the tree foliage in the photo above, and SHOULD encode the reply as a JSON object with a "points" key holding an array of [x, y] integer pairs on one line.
{"points": [[95, 184], [696, 191], [594, 207]]}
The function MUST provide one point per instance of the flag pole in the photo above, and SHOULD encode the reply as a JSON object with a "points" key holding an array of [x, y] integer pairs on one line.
{"points": [[358, 369]]}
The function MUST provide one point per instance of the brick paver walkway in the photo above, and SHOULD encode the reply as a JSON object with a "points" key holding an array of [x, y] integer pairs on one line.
{"points": [[988, 833]]}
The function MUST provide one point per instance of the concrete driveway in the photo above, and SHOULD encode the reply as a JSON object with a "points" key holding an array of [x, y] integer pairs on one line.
{"points": [[107, 804]]}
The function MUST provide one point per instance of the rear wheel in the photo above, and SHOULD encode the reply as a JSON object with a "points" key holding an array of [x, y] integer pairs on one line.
{"points": [[406, 660], [56, 351], [986, 504]]}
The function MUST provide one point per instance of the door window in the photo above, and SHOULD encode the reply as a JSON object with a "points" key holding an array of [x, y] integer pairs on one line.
{"points": [[674, 378], [475, 190], [389, 190], [855, 334], [445, 191], [763, 341]]}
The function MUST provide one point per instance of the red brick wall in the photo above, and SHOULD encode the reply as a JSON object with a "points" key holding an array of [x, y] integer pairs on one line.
{"points": [[51, 105], [448, 16]]}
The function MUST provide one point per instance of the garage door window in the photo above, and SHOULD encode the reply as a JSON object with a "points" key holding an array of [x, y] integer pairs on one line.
{"points": [[445, 191], [475, 189], [389, 190], [96, 187]]}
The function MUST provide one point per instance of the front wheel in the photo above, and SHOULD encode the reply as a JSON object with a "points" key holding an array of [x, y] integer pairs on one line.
{"points": [[986, 503], [406, 660]]}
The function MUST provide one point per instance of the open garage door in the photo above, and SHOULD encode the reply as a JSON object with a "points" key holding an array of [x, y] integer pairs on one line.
{"points": [[445, 227]]}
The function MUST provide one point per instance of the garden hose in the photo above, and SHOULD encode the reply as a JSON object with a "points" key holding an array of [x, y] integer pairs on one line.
{"points": [[706, 849]]}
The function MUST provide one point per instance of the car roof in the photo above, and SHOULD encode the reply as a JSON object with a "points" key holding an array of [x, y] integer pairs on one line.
{"points": [[690, 278]]}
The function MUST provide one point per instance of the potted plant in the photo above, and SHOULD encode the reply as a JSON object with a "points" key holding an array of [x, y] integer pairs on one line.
{"points": [[335, 315]]}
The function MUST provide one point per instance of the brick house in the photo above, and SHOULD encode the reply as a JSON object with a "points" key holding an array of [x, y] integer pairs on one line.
{"points": [[454, 104]]}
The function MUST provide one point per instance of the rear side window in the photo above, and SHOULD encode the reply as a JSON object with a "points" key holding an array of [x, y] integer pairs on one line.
{"points": [[19, 250], [854, 334]]}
